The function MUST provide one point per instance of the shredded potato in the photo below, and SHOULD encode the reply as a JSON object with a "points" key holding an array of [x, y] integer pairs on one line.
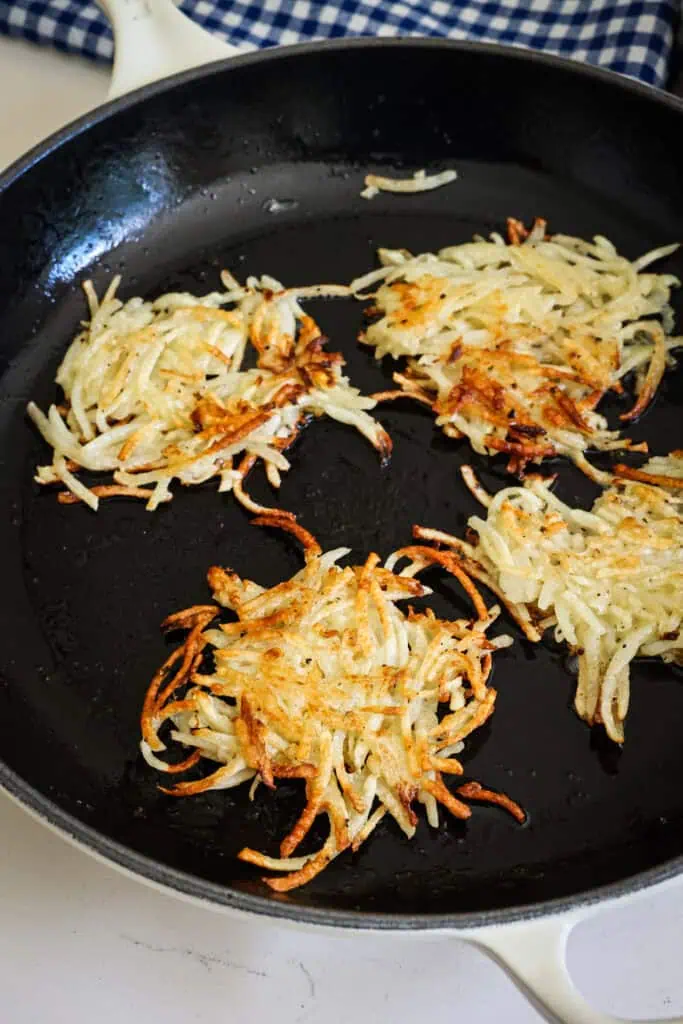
{"points": [[663, 471], [420, 182], [610, 581], [155, 391], [323, 678], [514, 345]]}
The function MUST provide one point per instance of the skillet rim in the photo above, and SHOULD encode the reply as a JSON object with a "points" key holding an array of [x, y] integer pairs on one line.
{"points": [[516, 53], [224, 897], [173, 880]]}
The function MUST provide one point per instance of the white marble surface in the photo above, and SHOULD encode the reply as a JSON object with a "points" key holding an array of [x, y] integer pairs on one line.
{"points": [[79, 942]]}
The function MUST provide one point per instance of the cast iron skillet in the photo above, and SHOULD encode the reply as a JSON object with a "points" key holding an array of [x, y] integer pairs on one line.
{"points": [[171, 184]]}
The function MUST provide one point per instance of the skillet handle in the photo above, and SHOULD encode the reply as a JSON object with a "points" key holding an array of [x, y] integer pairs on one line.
{"points": [[533, 954], [153, 39]]}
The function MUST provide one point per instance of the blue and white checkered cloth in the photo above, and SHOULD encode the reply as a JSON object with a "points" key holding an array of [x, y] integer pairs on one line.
{"points": [[634, 37]]}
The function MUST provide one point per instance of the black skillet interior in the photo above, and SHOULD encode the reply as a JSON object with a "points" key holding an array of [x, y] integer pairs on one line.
{"points": [[171, 188]]}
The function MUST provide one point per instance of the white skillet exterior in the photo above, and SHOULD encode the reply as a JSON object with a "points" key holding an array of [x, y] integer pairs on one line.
{"points": [[153, 39]]}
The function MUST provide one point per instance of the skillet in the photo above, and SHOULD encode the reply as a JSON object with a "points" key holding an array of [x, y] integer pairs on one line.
{"points": [[167, 186]]}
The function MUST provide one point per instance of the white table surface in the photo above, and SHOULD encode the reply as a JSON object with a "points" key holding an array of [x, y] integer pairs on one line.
{"points": [[80, 942]]}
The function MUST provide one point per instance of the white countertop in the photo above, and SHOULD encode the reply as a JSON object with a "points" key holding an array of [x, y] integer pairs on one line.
{"points": [[80, 942]]}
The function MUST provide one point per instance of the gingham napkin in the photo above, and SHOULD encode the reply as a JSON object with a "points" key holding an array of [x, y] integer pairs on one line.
{"points": [[634, 37]]}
